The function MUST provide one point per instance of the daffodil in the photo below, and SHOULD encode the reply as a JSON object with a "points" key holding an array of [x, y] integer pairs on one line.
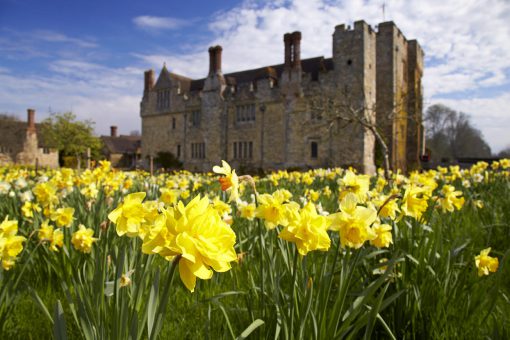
{"points": [[49, 234], [485, 263], [414, 202], [129, 215], [355, 184], [83, 239], [10, 243], [353, 222], [274, 209], [451, 199], [63, 217], [384, 237], [198, 234], [230, 181], [29, 208], [247, 210], [307, 230]]}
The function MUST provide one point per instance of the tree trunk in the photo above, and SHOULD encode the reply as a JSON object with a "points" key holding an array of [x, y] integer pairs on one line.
{"points": [[78, 162], [386, 152], [151, 160]]}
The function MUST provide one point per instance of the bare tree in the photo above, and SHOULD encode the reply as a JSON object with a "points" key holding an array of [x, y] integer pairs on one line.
{"points": [[450, 134], [335, 110]]}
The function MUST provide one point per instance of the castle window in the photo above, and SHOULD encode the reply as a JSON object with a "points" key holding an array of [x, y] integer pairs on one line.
{"points": [[245, 113], [178, 150], [198, 150], [243, 150], [314, 149], [5, 149], [349, 62], [173, 123], [195, 118], [163, 99], [46, 151]]}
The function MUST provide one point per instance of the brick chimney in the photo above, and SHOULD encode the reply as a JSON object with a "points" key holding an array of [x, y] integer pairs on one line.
{"points": [[31, 120], [296, 50], [113, 131], [149, 80], [215, 59], [287, 39]]}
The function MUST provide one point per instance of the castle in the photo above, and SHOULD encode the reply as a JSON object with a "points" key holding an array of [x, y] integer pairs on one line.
{"points": [[274, 117]]}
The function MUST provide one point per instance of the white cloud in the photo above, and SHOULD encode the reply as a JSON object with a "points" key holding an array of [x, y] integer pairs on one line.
{"points": [[108, 96], [465, 42], [52, 36], [159, 23]]}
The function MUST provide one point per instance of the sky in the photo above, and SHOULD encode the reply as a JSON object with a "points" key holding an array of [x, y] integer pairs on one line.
{"points": [[88, 57]]}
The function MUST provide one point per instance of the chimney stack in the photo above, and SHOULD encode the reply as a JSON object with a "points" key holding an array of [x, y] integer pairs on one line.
{"points": [[287, 39], [215, 59], [113, 131], [296, 50], [31, 120], [149, 80]]}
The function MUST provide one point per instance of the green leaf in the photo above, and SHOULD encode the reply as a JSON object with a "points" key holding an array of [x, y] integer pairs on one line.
{"points": [[253, 326], [41, 304], [59, 327], [153, 303]]}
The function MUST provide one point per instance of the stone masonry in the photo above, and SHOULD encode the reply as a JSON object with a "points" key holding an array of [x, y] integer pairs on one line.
{"points": [[268, 117], [20, 144]]}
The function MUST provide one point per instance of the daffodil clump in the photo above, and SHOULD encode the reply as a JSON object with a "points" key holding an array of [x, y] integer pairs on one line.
{"points": [[195, 234], [11, 244]]}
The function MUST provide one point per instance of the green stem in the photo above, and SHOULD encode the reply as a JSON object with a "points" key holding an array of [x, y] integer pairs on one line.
{"points": [[164, 300], [292, 292]]}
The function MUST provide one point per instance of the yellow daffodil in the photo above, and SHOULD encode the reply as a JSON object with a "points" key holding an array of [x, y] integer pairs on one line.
{"points": [[384, 237], [247, 210], [198, 234], [230, 181], [29, 208], [450, 199], [129, 215], [63, 217], [353, 222], [307, 230], [83, 239], [169, 196], [273, 209], [10, 243], [485, 263], [356, 184], [414, 202], [49, 234], [387, 206]]}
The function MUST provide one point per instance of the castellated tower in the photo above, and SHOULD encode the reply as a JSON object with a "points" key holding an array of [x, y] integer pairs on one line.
{"points": [[415, 130], [268, 118], [354, 59], [399, 94]]}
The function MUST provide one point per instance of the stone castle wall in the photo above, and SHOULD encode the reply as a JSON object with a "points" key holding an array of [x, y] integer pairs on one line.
{"points": [[370, 72]]}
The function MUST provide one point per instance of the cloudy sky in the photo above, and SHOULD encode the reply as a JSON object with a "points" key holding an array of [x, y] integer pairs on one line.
{"points": [[89, 56]]}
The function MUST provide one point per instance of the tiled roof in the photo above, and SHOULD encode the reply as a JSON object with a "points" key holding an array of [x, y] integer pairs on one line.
{"points": [[122, 144], [13, 132], [310, 65]]}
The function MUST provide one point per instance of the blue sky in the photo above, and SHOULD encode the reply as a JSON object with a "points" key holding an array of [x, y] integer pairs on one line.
{"points": [[89, 56]]}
